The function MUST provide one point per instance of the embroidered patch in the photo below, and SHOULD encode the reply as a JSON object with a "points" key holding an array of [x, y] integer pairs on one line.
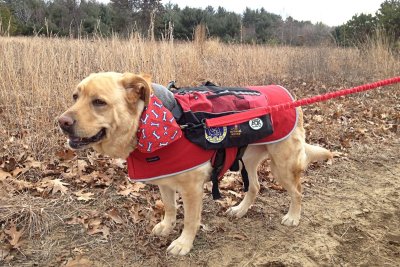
{"points": [[235, 131], [215, 135], [256, 124]]}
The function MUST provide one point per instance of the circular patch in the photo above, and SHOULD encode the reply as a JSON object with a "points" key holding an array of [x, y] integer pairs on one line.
{"points": [[256, 124], [215, 135]]}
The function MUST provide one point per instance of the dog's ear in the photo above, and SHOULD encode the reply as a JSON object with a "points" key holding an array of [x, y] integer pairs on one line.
{"points": [[137, 87]]}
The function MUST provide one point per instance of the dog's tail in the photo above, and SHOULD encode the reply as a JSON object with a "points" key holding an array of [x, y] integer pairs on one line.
{"points": [[316, 153]]}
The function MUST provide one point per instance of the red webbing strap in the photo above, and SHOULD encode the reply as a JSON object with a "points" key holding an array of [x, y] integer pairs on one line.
{"points": [[254, 113]]}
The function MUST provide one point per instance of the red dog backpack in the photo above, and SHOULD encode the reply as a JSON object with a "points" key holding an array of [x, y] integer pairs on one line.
{"points": [[210, 101]]}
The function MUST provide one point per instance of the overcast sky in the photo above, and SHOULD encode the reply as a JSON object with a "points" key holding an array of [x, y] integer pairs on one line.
{"points": [[330, 12]]}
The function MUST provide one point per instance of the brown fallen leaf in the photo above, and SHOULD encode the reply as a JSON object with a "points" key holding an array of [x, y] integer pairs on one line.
{"points": [[82, 164], [83, 196], [104, 230], [240, 236], [54, 186], [31, 163], [102, 179], [4, 175], [59, 186], [138, 186], [236, 194], [17, 171], [76, 220], [134, 212], [229, 182], [66, 154], [94, 222], [277, 187], [14, 235], [88, 178], [115, 215], [131, 189], [120, 163], [21, 184], [227, 202]]}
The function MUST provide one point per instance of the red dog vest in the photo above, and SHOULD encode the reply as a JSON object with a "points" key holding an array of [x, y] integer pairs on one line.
{"points": [[181, 155]]}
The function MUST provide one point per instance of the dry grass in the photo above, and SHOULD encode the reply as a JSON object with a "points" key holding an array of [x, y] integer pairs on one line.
{"points": [[29, 212]]}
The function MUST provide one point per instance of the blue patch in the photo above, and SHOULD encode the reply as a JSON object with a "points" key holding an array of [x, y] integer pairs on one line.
{"points": [[215, 135]]}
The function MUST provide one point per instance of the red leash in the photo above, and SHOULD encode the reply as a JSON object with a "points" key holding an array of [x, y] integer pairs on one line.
{"points": [[254, 113]]}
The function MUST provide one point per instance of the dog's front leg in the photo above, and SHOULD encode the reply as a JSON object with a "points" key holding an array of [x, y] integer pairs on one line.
{"points": [[192, 196], [168, 223]]}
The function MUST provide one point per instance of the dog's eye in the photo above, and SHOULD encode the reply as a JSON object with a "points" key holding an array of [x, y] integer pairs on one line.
{"points": [[99, 102], [75, 97]]}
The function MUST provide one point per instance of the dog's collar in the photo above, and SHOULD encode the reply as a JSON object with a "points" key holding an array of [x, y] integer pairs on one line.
{"points": [[157, 127]]}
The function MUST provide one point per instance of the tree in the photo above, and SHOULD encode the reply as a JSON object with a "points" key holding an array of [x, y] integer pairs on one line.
{"points": [[223, 24], [388, 17], [147, 11], [134, 14], [95, 17], [7, 22], [265, 24], [356, 31], [189, 18]]}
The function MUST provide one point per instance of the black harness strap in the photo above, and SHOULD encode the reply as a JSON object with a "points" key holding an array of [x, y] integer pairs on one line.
{"points": [[243, 172], [245, 177], [218, 164]]}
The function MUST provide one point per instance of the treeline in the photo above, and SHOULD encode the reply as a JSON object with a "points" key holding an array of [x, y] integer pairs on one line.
{"points": [[156, 21]]}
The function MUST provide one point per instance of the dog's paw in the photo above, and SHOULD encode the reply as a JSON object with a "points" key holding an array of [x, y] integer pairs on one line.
{"points": [[162, 229], [290, 220], [236, 212], [180, 247]]}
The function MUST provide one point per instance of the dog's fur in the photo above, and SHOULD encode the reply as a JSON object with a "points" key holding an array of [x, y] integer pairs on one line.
{"points": [[123, 98]]}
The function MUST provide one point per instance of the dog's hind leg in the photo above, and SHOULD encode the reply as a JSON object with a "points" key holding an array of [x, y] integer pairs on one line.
{"points": [[251, 158], [165, 227], [290, 180], [288, 161]]}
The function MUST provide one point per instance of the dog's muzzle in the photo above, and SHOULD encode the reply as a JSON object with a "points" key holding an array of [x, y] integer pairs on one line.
{"points": [[67, 125]]}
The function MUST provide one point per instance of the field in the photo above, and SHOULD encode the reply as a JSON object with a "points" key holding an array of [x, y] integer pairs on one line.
{"points": [[65, 208]]}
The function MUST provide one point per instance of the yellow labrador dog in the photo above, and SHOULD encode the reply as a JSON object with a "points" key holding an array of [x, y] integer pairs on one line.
{"points": [[106, 115]]}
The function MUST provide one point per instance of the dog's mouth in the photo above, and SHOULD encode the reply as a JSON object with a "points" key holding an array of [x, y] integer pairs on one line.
{"points": [[81, 142]]}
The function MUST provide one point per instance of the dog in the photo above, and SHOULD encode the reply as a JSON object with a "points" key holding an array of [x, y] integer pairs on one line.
{"points": [[105, 115]]}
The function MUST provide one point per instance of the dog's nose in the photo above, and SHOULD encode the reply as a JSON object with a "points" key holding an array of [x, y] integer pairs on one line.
{"points": [[66, 123]]}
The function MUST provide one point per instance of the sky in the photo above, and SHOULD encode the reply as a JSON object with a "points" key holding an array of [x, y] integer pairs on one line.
{"points": [[329, 12]]}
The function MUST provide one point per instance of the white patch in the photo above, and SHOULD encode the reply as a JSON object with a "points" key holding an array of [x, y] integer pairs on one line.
{"points": [[256, 124]]}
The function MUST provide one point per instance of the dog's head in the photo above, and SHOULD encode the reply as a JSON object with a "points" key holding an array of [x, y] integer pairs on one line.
{"points": [[106, 111]]}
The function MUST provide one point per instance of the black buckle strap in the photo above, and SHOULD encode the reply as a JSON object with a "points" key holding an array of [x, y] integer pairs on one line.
{"points": [[218, 164], [245, 177], [243, 172]]}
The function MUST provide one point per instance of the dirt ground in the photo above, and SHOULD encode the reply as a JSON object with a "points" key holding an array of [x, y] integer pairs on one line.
{"points": [[350, 217]]}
